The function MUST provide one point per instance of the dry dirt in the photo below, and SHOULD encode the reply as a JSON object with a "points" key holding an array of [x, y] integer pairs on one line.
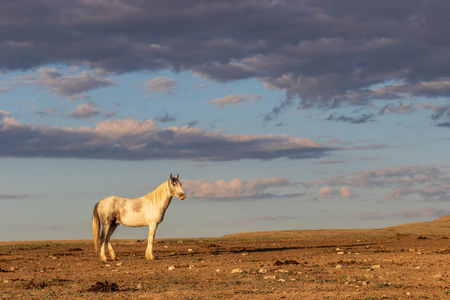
{"points": [[346, 264]]}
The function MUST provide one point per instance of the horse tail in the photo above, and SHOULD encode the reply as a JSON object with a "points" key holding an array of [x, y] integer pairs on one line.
{"points": [[96, 227]]}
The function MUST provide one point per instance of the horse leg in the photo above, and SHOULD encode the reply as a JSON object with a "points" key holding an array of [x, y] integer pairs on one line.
{"points": [[151, 236], [112, 227], [105, 230]]}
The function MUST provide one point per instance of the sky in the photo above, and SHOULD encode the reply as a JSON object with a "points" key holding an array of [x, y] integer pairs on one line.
{"points": [[277, 115]]}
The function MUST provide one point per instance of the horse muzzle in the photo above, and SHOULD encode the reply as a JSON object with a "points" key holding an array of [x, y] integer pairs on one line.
{"points": [[182, 197]]}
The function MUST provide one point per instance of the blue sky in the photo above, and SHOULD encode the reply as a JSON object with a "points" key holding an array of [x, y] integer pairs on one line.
{"points": [[276, 114]]}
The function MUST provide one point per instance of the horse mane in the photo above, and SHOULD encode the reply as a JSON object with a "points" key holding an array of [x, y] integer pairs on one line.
{"points": [[157, 195]]}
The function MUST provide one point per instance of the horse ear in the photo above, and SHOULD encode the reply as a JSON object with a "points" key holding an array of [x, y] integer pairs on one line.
{"points": [[178, 175], [171, 176]]}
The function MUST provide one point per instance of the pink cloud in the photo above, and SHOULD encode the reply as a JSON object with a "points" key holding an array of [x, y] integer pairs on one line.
{"points": [[233, 188]]}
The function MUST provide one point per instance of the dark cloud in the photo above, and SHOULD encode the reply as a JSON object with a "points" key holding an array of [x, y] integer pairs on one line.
{"points": [[13, 196], [364, 118], [141, 140], [165, 118], [325, 54]]}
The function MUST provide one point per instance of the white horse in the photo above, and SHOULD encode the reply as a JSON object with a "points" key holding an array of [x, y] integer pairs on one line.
{"points": [[147, 210]]}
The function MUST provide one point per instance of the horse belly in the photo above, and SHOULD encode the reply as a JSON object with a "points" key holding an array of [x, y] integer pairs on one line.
{"points": [[133, 219]]}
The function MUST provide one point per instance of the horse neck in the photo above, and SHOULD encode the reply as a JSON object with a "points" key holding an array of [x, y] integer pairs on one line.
{"points": [[160, 196]]}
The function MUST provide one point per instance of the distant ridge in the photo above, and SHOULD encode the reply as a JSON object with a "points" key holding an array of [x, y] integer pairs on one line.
{"points": [[438, 227]]}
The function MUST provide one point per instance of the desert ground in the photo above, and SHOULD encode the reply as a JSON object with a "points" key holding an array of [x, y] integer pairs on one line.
{"points": [[403, 262]]}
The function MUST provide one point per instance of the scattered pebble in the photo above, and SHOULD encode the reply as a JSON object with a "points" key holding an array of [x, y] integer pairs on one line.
{"points": [[270, 277], [376, 267], [282, 271], [171, 268], [236, 271], [262, 271], [338, 266]]}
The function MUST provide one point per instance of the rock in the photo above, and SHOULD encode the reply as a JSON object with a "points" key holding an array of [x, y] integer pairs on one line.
{"points": [[376, 267], [236, 271], [262, 271], [171, 268], [270, 277], [338, 266], [340, 253], [119, 264], [190, 250], [282, 271]]}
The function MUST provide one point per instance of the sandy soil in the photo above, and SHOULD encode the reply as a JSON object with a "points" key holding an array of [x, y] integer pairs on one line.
{"points": [[352, 265]]}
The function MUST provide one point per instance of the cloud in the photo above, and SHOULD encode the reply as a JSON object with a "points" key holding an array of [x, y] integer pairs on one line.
{"points": [[84, 111], [427, 212], [328, 192], [235, 189], [70, 86], [47, 111], [265, 218], [13, 196], [141, 140], [347, 54], [165, 118], [5, 89], [330, 162], [233, 100], [442, 113], [398, 109], [427, 183], [161, 84], [364, 118]]}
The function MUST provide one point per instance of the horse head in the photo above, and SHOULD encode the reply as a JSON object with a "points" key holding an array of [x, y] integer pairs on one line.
{"points": [[175, 187]]}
